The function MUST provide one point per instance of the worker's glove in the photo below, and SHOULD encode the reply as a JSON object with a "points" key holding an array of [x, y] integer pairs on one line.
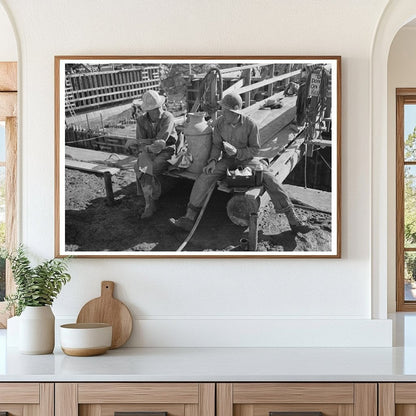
{"points": [[229, 149], [156, 147]]}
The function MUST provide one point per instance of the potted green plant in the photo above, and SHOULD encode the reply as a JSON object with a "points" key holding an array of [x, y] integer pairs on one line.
{"points": [[36, 289]]}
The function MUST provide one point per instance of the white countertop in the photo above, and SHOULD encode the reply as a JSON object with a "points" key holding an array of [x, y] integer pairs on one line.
{"points": [[215, 364], [222, 364]]}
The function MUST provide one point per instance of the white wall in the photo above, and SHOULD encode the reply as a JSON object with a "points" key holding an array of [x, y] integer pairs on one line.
{"points": [[401, 74], [246, 302], [8, 47]]}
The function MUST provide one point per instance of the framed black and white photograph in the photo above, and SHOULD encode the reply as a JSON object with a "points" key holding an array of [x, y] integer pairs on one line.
{"points": [[198, 156]]}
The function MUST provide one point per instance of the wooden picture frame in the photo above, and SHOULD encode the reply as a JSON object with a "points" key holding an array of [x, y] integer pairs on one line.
{"points": [[293, 101]]}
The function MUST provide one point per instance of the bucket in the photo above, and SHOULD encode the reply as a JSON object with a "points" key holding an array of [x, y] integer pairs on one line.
{"points": [[198, 135]]}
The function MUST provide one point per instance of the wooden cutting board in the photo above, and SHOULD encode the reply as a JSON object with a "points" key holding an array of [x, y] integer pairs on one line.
{"points": [[107, 309]]}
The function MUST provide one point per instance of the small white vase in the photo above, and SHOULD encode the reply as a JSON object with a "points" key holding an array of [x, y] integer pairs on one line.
{"points": [[37, 330]]}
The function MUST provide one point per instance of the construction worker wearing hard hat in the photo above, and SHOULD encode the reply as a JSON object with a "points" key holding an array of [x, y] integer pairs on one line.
{"points": [[155, 139], [236, 143]]}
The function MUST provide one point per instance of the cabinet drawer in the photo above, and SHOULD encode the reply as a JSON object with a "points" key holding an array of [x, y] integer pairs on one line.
{"points": [[146, 399], [297, 399], [21, 399]]}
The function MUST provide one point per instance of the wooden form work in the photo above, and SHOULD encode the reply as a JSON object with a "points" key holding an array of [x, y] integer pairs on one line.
{"points": [[89, 90]]}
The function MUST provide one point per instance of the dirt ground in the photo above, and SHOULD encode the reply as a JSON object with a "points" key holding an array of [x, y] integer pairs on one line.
{"points": [[93, 225]]}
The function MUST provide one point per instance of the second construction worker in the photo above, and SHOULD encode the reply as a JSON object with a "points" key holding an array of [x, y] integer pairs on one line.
{"points": [[236, 143], [155, 142]]}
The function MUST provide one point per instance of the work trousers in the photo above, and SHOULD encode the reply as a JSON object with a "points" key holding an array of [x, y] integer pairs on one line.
{"points": [[148, 169], [279, 197]]}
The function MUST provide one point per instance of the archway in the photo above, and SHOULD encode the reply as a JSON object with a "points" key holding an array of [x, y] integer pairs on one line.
{"points": [[396, 15]]}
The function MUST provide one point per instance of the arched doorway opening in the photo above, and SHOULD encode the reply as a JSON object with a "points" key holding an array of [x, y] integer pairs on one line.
{"points": [[396, 15]]}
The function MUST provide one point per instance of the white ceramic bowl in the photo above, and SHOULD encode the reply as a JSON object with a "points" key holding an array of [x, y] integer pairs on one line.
{"points": [[83, 340]]}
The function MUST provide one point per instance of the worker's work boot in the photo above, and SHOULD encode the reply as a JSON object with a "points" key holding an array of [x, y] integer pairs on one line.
{"points": [[187, 221], [296, 224], [149, 209]]}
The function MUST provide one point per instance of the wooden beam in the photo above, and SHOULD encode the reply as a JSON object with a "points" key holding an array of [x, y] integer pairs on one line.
{"points": [[282, 167], [98, 169], [8, 105], [267, 82], [8, 76], [247, 82], [258, 104], [234, 88], [288, 160]]}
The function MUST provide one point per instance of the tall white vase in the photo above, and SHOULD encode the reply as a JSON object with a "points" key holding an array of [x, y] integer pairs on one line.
{"points": [[37, 330]]}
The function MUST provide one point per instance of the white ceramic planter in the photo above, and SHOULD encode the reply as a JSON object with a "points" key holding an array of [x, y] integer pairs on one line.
{"points": [[37, 330]]}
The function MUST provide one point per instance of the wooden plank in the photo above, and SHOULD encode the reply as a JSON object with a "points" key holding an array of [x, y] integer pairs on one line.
{"points": [[386, 399], [90, 167], [288, 160], [405, 393], [8, 105], [247, 82], [258, 104], [340, 393], [207, 399], [66, 399], [47, 399], [8, 76], [24, 393], [97, 156], [138, 393], [321, 142], [345, 410], [365, 399], [267, 82], [236, 86], [30, 410], [310, 198], [191, 410], [224, 399], [246, 410]]}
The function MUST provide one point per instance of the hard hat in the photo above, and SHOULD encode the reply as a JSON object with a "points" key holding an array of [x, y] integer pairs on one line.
{"points": [[152, 100], [232, 102]]}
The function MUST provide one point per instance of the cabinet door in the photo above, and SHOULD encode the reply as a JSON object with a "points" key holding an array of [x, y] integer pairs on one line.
{"points": [[26, 399], [142, 399], [297, 399], [397, 399]]}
